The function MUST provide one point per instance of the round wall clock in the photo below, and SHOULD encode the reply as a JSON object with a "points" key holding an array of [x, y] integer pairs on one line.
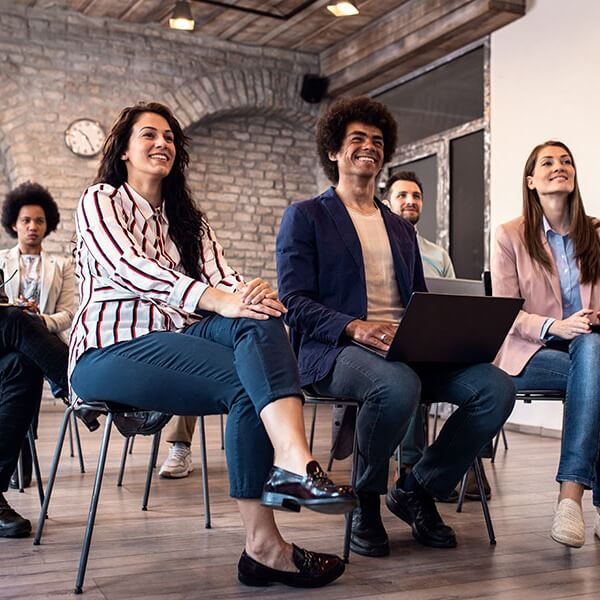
{"points": [[85, 137]]}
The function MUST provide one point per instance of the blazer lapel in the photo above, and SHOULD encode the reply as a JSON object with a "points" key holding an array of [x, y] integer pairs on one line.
{"points": [[345, 227], [11, 269], [47, 277]]}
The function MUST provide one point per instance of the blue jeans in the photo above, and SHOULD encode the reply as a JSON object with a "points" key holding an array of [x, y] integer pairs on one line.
{"points": [[390, 393], [218, 365], [576, 371]]}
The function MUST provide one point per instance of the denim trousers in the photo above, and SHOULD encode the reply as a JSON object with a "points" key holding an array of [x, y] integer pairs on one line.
{"points": [[216, 366], [389, 393], [28, 351], [576, 371]]}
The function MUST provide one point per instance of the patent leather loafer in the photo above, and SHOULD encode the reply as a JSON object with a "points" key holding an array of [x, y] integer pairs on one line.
{"points": [[12, 524], [140, 422], [289, 491], [314, 570], [419, 511]]}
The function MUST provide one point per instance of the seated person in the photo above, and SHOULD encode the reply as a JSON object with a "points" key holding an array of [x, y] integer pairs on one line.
{"points": [[346, 268], [166, 324], [550, 257], [404, 195], [31, 335]]}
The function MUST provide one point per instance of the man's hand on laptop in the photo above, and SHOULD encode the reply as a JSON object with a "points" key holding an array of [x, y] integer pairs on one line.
{"points": [[376, 334]]}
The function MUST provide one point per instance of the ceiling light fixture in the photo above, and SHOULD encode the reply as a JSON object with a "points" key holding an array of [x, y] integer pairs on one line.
{"points": [[182, 17], [343, 8]]}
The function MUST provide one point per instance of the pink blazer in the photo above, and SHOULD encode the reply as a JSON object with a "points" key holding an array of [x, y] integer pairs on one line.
{"points": [[515, 274]]}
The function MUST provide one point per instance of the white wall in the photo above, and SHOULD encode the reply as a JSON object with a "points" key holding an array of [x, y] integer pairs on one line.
{"points": [[545, 84]]}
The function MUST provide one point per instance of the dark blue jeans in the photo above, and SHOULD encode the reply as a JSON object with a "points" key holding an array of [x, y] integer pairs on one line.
{"points": [[390, 393], [218, 365], [576, 371]]}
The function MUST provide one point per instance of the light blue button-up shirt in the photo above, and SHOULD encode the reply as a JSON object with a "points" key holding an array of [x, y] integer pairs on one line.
{"points": [[563, 251]]}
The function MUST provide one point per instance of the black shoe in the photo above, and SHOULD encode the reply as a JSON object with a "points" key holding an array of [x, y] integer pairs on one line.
{"points": [[289, 491], [314, 570], [419, 511], [141, 422], [368, 537], [89, 418], [26, 462], [12, 524], [472, 489]]}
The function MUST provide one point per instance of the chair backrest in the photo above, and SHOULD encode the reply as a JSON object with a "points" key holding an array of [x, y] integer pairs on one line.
{"points": [[459, 287]]}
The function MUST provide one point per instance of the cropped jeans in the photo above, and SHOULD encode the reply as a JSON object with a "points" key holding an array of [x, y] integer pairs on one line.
{"points": [[390, 392], [215, 366], [575, 370]]}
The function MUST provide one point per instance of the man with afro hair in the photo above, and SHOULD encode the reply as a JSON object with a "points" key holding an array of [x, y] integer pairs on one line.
{"points": [[347, 267], [40, 292]]}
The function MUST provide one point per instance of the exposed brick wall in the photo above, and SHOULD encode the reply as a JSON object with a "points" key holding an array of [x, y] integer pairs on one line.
{"points": [[244, 172], [56, 66]]}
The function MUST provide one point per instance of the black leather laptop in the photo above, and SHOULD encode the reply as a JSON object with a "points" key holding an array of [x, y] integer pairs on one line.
{"points": [[449, 328]]}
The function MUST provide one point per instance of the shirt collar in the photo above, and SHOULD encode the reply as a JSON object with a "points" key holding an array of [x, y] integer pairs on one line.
{"points": [[145, 208], [547, 227]]}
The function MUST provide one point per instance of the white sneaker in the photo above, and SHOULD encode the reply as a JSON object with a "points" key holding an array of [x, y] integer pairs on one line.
{"points": [[568, 527], [179, 462]]}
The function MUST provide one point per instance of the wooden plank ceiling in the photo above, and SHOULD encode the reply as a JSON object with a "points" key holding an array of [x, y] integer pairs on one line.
{"points": [[388, 39]]}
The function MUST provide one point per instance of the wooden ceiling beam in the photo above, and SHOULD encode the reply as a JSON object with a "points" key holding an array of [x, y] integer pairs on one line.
{"points": [[415, 34]]}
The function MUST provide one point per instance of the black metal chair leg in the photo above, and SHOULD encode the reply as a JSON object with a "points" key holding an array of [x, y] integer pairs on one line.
{"points": [[436, 416], [463, 491], [484, 504], [504, 440], [204, 464], [87, 540], [71, 448], [312, 427], [353, 475], [131, 444], [36, 465], [222, 433], [123, 461], [495, 448], [78, 442], [151, 463], [52, 477]]}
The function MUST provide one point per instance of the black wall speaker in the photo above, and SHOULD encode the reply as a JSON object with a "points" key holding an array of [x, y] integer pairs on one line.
{"points": [[314, 88]]}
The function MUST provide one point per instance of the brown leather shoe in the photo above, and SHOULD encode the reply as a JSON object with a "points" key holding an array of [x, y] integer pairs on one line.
{"points": [[289, 491], [472, 489]]}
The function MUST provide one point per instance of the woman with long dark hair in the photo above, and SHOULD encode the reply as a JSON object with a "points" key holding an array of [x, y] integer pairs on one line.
{"points": [[550, 256], [166, 324]]}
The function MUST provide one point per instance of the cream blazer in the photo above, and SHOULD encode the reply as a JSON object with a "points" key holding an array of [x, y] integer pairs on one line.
{"points": [[515, 274], [57, 290]]}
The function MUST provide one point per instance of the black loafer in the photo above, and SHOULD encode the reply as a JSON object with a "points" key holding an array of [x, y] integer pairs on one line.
{"points": [[288, 491], [140, 422], [314, 570], [419, 511], [369, 537], [12, 524]]}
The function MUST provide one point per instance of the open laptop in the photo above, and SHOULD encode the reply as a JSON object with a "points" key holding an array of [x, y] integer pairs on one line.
{"points": [[451, 328]]}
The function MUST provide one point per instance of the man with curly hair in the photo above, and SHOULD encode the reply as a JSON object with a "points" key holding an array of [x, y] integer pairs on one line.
{"points": [[41, 294], [346, 269]]}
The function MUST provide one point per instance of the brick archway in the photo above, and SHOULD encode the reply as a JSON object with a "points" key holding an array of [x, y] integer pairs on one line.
{"points": [[242, 91]]}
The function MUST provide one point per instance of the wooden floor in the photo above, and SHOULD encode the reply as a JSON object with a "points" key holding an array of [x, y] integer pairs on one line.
{"points": [[167, 553]]}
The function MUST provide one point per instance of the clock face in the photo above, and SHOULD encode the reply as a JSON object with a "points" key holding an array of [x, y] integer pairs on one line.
{"points": [[85, 137]]}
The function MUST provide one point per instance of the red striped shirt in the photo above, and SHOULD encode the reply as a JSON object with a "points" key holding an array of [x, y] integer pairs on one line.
{"points": [[130, 274]]}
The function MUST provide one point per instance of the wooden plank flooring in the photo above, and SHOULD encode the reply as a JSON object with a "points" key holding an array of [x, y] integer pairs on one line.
{"points": [[165, 553]]}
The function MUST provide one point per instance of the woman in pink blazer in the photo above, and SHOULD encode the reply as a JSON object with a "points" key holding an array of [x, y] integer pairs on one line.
{"points": [[550, 257]]}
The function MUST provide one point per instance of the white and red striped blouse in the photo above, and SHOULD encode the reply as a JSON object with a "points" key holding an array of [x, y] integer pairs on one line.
{"points": [[130, 279]]}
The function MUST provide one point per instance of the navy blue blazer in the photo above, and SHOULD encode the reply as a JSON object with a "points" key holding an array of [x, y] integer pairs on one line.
{"points": [[321, 276]]}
